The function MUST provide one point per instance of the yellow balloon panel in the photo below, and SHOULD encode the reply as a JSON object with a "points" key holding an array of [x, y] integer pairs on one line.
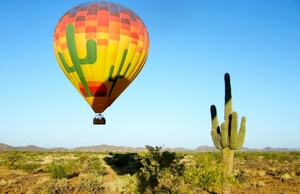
{"points": [[101, 47]]}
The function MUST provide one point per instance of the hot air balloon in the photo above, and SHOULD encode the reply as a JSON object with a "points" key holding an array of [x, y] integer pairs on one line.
{"points": [[101, 47]]}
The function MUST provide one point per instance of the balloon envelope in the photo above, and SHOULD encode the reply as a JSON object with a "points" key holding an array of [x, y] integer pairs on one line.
{"points": [[101, 47]]}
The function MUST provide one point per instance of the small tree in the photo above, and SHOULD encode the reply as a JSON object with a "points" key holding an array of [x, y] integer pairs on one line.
{"points": [[155, 165]]}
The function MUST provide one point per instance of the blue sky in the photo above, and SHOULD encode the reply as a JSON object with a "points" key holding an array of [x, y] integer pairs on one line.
{"points": [[192, 45]]}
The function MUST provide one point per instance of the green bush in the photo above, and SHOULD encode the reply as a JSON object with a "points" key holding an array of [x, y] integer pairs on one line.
{"points": [[30, 167], [205, 173], [155, 165], [94, 166], [121, 160], [165, 172], [123, 163], [90, 184], [56, 186], [126, 184], [82, 157], [62, 169], [13, 160]]}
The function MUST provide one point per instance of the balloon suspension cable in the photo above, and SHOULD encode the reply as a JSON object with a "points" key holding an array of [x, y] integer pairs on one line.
{"points": [[99, 119]]}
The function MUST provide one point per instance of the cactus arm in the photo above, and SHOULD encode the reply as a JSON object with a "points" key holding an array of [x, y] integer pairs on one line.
{"points": [[242, 133], [119, 75], [228, 98], [91, 49], [234, 130], [214, 117], [121, 65], [216, 139], [215, 132], [91, 53], [224, 128], [64, 63]]}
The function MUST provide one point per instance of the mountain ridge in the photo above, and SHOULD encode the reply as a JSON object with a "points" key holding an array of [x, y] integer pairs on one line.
{"points": [[112, 148]]}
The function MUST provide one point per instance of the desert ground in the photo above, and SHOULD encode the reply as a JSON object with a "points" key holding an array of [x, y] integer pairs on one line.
{"points": [[92, 172]]}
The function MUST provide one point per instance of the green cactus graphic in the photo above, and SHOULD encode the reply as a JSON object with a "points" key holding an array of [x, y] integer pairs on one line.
{"points": [[90, 58], [227, 137], [112, 68]]}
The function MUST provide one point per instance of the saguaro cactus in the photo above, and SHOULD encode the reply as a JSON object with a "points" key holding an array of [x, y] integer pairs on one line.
{"points": [[227, 137]]}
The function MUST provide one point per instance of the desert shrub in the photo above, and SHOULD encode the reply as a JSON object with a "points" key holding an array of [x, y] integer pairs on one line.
{"points": [[126, 184], [62, 169], [165, 172], [25, 161], [56, 186], [30, 167], [204, 174], [170, 183], [289, 156], [82, 157], [297, 170], [248, 156], [242, 177], [270, 156], [94, 166], [155, 165], [121, 160], [13, 160], [90, 184], [278, 156], [124, 163]]}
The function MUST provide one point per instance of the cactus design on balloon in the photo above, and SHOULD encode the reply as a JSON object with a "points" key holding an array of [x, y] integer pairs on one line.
{"points": [[91, 57], [114, 80]]}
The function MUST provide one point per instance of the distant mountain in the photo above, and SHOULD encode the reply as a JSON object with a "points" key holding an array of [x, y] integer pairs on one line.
{"points": [[111, 148], [104, 148], [4, 147], [33, 148], [57, 149], [178, 149], [270, 149], [206, 149], [30, 148]]}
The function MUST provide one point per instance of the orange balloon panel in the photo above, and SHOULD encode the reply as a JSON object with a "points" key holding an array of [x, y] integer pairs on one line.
{"points": [[101, 47]]}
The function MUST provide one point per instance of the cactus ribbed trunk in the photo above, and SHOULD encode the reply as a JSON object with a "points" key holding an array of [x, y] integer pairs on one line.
{"points": [[227, 160], [227, 137]]}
